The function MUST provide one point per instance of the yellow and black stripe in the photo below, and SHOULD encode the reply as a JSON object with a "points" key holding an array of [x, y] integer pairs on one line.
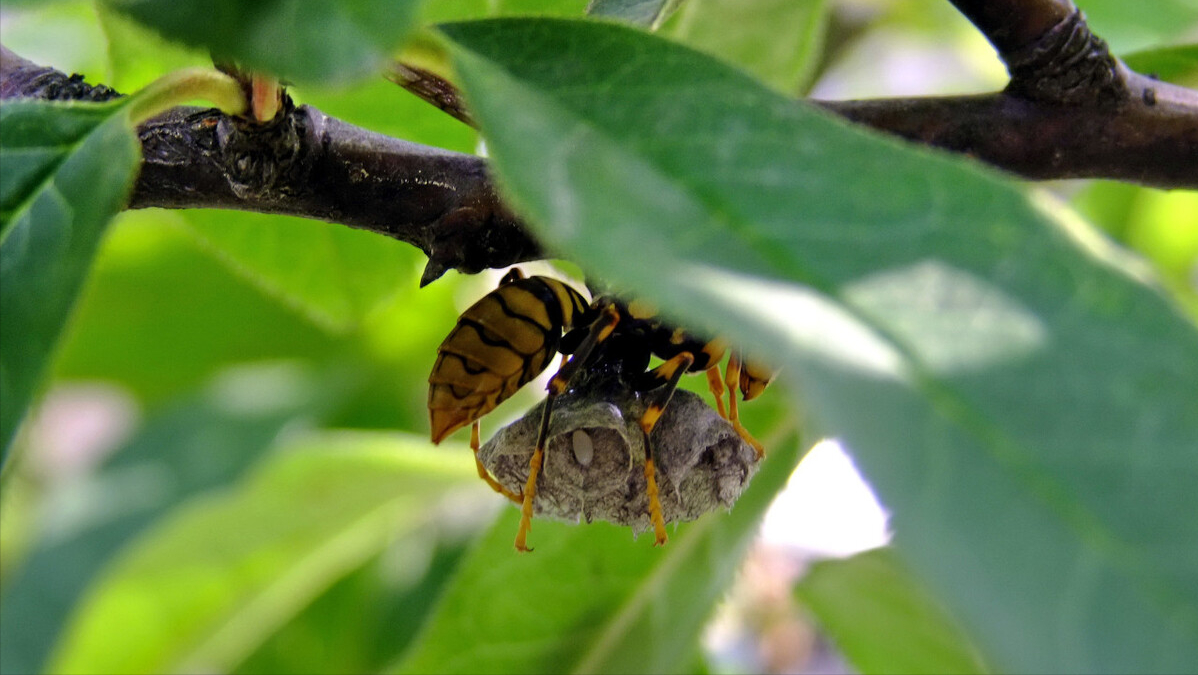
{"points": [[499, 344]]}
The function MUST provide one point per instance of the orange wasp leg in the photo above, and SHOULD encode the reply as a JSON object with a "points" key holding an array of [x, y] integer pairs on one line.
{"points": [[715, 383], [482, 470], [599, 331], [670, 371], [731, 380]]}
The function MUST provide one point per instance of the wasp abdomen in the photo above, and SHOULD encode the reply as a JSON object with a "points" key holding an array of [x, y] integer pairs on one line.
{"points": [[499, 344]]}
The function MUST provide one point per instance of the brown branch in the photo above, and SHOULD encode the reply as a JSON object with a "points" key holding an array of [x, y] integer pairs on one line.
{"points": [[305, 163], [1071, 110], [1050, 52], [431, 88], [1150, 139], [308, 164], [1014, 25]]}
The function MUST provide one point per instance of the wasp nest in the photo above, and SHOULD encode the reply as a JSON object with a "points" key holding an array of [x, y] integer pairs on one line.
{"points": [[594, 460]]}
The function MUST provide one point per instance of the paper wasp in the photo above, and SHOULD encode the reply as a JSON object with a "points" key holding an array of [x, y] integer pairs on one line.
{"points": [[508, 337]]}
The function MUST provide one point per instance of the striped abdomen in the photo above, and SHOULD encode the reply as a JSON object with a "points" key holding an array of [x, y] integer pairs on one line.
{"points": [[499, 344]]}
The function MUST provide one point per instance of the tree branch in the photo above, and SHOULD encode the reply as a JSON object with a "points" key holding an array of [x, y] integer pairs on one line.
{"points": [[1014, 25], [1151, 139], [1048, 49], [305, 163], [1071, 110]]}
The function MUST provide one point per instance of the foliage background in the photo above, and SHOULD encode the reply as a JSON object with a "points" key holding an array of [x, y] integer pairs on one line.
{"points": [[227, 469]]}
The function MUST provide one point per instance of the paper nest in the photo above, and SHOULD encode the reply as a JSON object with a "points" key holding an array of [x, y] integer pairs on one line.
{"points": [[702, 463]]}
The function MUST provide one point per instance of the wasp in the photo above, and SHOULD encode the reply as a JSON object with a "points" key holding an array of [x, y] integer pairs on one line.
{"points": [[508, 338]]}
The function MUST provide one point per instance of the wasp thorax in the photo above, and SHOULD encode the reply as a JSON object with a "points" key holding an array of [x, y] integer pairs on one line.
{"points": [[594, 459]]}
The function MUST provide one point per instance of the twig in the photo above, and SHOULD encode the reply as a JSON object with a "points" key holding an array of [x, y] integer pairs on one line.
{"points": [[305, 163], [1071, 110], [428, 86], [1150, 139]]}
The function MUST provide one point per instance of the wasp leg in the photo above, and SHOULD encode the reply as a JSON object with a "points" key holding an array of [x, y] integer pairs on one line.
{"points": [[598, 332], [482, 470], [732, 379], [671, 371], [715, 383]]}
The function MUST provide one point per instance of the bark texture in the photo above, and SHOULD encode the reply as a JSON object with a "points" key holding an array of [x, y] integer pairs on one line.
{"points": [[1071, 110]]}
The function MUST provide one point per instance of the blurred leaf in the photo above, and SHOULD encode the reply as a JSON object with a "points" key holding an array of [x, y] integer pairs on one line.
{"points": [[589, 599], [1021, 399], [313, 40], [384, 107], [648, 13], [882, 619], [18, 527], [331, 274], [25, 3], [136, 54], [365, 620], [1165, 228], [194, 446], [67, 170], [1161, 225], [778, 41], [454, 10], [206, 587], [1128, 25], [62, 34], [400, 346], [160, 316], [1108, 204], [1177, 64]]}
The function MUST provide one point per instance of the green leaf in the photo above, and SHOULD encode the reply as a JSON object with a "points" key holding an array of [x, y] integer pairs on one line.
{"points": [[589, 599], [455, 10], [778, 41], [882, 619], [1126, 26], [383, 107], [1177, 64], [161, 316], [323, 40], [137, 55], [193, 446], [24, 3], [364, 621], [67, 171], [1020, 397], [648, 13], [331, 274], [202, 590], [59, 34]]}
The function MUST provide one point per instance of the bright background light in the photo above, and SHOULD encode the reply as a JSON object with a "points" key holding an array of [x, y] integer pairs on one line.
{"points": [[826, 509]]}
